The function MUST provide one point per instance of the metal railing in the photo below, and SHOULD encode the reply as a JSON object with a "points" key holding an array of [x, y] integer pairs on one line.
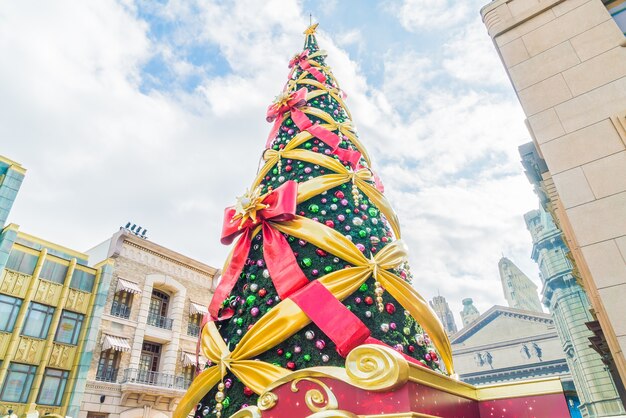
{"points": [[160, 321], [120, 310], [145, 377], [107, 375], [193, 330]]}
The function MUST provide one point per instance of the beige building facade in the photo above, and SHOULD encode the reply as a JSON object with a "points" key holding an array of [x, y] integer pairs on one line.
{"points": [[508, 344], [567, 63], [144, 355]]}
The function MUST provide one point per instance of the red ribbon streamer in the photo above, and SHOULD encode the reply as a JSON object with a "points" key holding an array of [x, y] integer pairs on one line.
{"points": [[349, 156], [343, 327], [279, 258], [302, 60]]}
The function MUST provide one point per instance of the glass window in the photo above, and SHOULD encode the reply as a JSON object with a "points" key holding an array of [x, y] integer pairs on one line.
{"points": [[82, 280], [108, 366], [53, 272], [69, 328], [52, 387], [38, 320], [9, 308], [17, 383], [22, 262]]}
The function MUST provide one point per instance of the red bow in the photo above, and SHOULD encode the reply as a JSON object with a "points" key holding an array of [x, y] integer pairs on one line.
{"points": [[302, 60], [292, 103], [277, 206]]}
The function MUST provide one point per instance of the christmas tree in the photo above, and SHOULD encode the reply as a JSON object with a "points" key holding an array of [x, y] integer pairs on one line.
{"points": [[318, 266]]}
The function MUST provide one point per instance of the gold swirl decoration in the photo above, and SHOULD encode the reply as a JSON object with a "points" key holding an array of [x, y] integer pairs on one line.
{"points": [[267, 401], [376, 368], [314, 398]]}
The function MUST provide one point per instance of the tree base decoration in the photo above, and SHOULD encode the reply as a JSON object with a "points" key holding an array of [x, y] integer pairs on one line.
{"points": [[378, 382]]}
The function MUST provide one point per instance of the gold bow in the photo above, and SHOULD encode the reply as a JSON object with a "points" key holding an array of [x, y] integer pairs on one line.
{"points": [[317, 185]]}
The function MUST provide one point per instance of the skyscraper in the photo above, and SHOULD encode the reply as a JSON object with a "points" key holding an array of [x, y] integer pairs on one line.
{"points": [[441, 308], [469, 312], [566, 61], [569, 307], [519, 291]]}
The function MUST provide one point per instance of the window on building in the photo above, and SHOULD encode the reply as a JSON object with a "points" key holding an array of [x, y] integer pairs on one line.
{"points": [[9, 308], [108, 366], [122, 302], [17, 383], [157, 311], [69, 328], [189, 373], [82, 280], [193, 328], [38, 320], [22, 262], [52, 387], [53, 271], [617, 9]]}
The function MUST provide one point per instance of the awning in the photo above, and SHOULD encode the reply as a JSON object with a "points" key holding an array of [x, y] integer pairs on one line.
{"points": [[115, 343], [196, 308], [189, 359], [126, 286]]}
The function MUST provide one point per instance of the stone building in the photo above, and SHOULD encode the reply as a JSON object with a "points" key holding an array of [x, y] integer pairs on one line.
{"points": [[469, 313], [144, 356], [506, 344], [569, 307], [567, 63], [519, 291], [441, 308]]}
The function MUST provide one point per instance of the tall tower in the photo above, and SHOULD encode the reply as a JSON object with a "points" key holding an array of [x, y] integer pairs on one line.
{"points": [[441, 308], [569, 306], [469, 312], [520, 292]]}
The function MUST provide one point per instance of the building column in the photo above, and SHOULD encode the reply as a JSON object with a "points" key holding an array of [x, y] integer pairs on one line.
{"points": [[140, 331], [171, 355]]}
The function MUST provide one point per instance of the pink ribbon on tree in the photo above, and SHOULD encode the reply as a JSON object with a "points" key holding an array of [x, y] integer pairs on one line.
{"points": [[277, 206], [292, 102], [302, 60]]}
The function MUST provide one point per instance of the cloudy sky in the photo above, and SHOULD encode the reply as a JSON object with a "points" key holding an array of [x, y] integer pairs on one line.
{"points": [[153, 112]]}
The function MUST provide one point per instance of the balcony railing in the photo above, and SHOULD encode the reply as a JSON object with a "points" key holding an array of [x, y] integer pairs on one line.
{"points": [[144, 377], [160, 321], [107, 375], [120, 310], [193, 330]]}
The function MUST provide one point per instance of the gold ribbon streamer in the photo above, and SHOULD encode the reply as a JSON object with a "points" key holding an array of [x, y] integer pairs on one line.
{"points": [[323, 88], [389, 257]]}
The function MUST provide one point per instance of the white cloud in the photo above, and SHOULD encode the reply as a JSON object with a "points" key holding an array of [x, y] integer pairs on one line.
{"points": [[471, 57], [417, 15], [101, 152]]}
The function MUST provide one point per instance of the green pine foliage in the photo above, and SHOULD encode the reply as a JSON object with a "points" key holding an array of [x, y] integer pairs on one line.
{"points": [[254, 294]]}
